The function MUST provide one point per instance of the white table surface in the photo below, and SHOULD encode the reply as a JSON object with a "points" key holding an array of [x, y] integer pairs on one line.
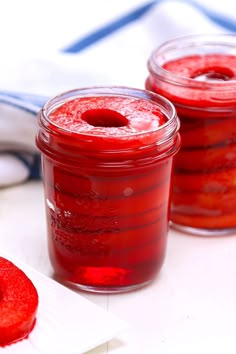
{"points": [[189, 308]]}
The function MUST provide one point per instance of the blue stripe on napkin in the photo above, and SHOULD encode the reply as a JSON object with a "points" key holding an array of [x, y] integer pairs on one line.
{"points": [[23, 99], [221, 20], [108, 29], [33, 164], [31, 160], [17, 102], [93, 37]]}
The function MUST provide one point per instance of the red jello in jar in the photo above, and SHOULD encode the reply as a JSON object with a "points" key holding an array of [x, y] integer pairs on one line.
{"points": [[107, 161], [198, 74]]}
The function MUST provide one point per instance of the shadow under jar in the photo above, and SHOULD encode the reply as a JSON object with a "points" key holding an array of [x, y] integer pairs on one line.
{"points": [[107, 157], [198, 74]]}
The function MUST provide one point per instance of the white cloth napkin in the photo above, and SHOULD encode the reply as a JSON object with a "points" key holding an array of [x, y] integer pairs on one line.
{"points": [[49, 47]]}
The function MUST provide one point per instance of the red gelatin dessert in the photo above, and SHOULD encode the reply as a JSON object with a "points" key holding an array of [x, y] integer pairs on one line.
{"points": [[18, 303], [107, 162], [198, 74]]}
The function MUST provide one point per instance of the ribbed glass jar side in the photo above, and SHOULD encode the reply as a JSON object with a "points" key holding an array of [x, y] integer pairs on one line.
{"points": [[198, 74], [107, 195]]}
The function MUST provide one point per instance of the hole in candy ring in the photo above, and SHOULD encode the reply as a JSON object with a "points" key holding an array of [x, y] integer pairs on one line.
{"points": [[104, 118], [213, 74]]}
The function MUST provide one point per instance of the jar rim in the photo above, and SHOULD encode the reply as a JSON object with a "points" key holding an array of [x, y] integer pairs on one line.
{"points": [[169, 128], [191, 41]]}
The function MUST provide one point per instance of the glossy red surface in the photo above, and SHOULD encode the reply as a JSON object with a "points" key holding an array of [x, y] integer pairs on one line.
{"points": [[204, 175], [18, 303], [107, 207]]}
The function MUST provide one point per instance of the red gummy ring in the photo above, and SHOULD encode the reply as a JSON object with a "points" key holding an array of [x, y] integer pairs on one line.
{"points": [[18, 303], [213, 66]]}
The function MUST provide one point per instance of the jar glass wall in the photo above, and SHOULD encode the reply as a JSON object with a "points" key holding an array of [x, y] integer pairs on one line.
{"points": [[107, 157], [198, 74]]}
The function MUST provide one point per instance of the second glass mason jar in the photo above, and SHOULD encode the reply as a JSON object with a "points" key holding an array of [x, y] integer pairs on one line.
{"points": [[107, 160], [198, 74]]}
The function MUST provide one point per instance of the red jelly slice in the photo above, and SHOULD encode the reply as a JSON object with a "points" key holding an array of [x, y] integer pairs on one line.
{"points": [[18, 303], [108, 199], [74, 183], [214, 68], [206, 222], [91, 259], [206, 97], [103, 244], [212, 158], [106, 123], [152, 255], [211, 132], [204, 176], [205, 203], [218, 181], [121, 117], [126, 205], [207, 67]]}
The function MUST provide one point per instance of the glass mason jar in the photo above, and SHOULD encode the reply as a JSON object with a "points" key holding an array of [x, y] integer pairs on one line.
{"points": [[107, 160], [198, 74]]}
